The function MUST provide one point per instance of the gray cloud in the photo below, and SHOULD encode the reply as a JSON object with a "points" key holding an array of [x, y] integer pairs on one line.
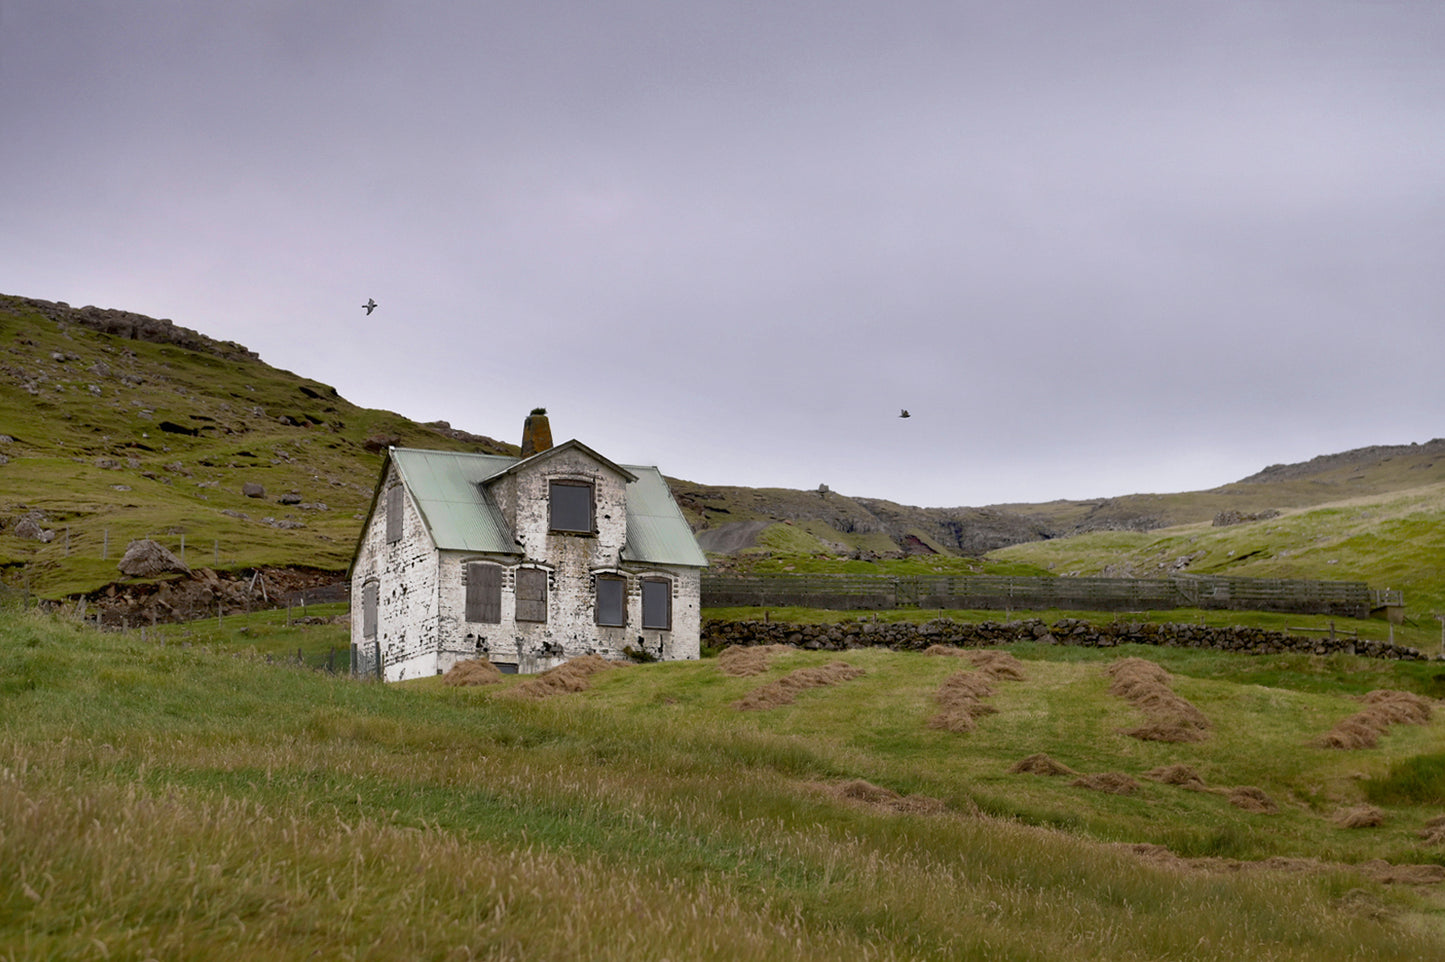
{"points": [[1095, 248]]}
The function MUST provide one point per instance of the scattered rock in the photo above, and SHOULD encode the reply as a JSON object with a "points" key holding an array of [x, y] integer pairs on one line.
{"points": [[145, 558], [289, 498], [253, 490]]}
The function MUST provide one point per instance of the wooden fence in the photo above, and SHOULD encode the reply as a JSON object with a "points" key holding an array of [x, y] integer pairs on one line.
{"points": [[986, 592]]}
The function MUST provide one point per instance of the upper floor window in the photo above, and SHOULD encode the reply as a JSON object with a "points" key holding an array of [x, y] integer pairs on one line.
{"points": [[570, 506]]}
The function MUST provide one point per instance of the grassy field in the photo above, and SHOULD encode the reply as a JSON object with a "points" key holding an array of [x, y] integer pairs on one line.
{"points": [[179, 797], [115, 439], [1387, 540]]}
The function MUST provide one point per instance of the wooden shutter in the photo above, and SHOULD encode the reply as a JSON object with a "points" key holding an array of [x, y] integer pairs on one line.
{"points": [[531, 594], [611, 601], [484, 594], [657, 604], [393, 514], [369, 594]]}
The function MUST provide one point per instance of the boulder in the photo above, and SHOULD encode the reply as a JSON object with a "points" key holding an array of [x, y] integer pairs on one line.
{"points": [[27, 527], [253, 490], [145, 558]]}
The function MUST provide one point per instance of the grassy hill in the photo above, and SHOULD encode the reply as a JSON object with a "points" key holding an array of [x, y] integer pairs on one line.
{"points": [[121, 426], [1390, 539], [172, 800], [112, 439]]}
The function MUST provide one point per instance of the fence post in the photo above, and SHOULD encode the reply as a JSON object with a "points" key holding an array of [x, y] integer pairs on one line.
{"points": [[105, 545], [183, 549]]}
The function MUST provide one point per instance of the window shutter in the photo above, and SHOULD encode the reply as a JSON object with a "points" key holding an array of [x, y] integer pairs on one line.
{"points": [[484, 593], [369, 594], [393, 514], [531, 594], [611, 601], [657, 604]]}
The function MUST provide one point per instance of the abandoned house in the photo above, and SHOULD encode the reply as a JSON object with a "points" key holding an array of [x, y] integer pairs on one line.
{"points": [[525, 561]]}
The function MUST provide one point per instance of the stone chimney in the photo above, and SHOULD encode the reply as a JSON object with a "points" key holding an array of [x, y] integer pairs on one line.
{"points": [[536, 433]]}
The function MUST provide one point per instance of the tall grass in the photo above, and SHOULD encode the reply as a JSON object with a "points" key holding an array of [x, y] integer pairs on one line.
{"points": [[168, 802]]}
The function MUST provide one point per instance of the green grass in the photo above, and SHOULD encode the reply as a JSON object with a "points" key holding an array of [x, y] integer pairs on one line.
{"points": [[99, 464], [1389, 540], [174, 799]]}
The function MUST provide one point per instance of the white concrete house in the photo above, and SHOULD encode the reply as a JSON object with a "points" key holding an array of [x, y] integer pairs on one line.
{"points": [[525, 561]]}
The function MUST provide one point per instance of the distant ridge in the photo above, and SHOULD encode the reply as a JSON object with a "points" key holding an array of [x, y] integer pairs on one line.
{"points": [[1357, 458]]}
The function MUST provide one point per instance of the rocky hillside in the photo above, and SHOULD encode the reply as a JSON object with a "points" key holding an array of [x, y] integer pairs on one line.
{"points": [[119, 426]]}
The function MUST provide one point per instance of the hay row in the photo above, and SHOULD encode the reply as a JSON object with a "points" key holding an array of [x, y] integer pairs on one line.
{"points": [[1245, 797], [785, 689], [1145, 685], [961, 696], [474, 671], [1383, 708], [995, 664], [741, 661], [872, 796], [567, 678]]}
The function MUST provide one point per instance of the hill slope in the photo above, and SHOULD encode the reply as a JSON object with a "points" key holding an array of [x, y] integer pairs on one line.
{"points": [[117, 426]]}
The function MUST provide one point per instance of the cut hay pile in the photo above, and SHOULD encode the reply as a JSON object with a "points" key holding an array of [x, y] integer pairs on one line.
{"points": [[567, 678], [1040, 764], [1434, 831], [1250, 799], [961, 702], [1115, 783], [1361, 816], [785, 689], [1181, 775], [740, 661], [1383, 708], [995, 664], [474, 671], [876, 796], [1145, 685]]}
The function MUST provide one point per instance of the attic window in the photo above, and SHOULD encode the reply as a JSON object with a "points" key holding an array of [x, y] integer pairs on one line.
{"points": [[570, 506], [393, 514]]}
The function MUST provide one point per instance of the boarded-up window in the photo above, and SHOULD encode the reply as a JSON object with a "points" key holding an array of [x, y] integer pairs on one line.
{"points": [[369, 594], [570, 506], [531, 594], [393, 514], [484, 593], [611, 600], [657, 604]]}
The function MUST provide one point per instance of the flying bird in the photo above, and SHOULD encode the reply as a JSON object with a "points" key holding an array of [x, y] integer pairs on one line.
{"points": [[903, 414], [370, 305]]}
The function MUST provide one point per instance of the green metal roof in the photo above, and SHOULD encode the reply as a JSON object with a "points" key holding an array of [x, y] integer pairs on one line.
{"points": [[448, 487], [657, 533]]}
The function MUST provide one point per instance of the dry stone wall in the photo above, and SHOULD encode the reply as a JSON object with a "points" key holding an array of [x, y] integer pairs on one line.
{"points": [[901, 636]]}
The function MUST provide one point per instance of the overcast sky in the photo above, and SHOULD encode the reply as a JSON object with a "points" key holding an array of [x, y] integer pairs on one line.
{"points": [[1095, 248]]}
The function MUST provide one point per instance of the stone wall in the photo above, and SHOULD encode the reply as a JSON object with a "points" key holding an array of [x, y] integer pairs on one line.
{"points": [[901, 636]]}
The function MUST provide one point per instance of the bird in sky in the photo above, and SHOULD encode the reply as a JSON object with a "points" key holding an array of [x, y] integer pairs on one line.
{"points": [[369, 306], [903, 414]]}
